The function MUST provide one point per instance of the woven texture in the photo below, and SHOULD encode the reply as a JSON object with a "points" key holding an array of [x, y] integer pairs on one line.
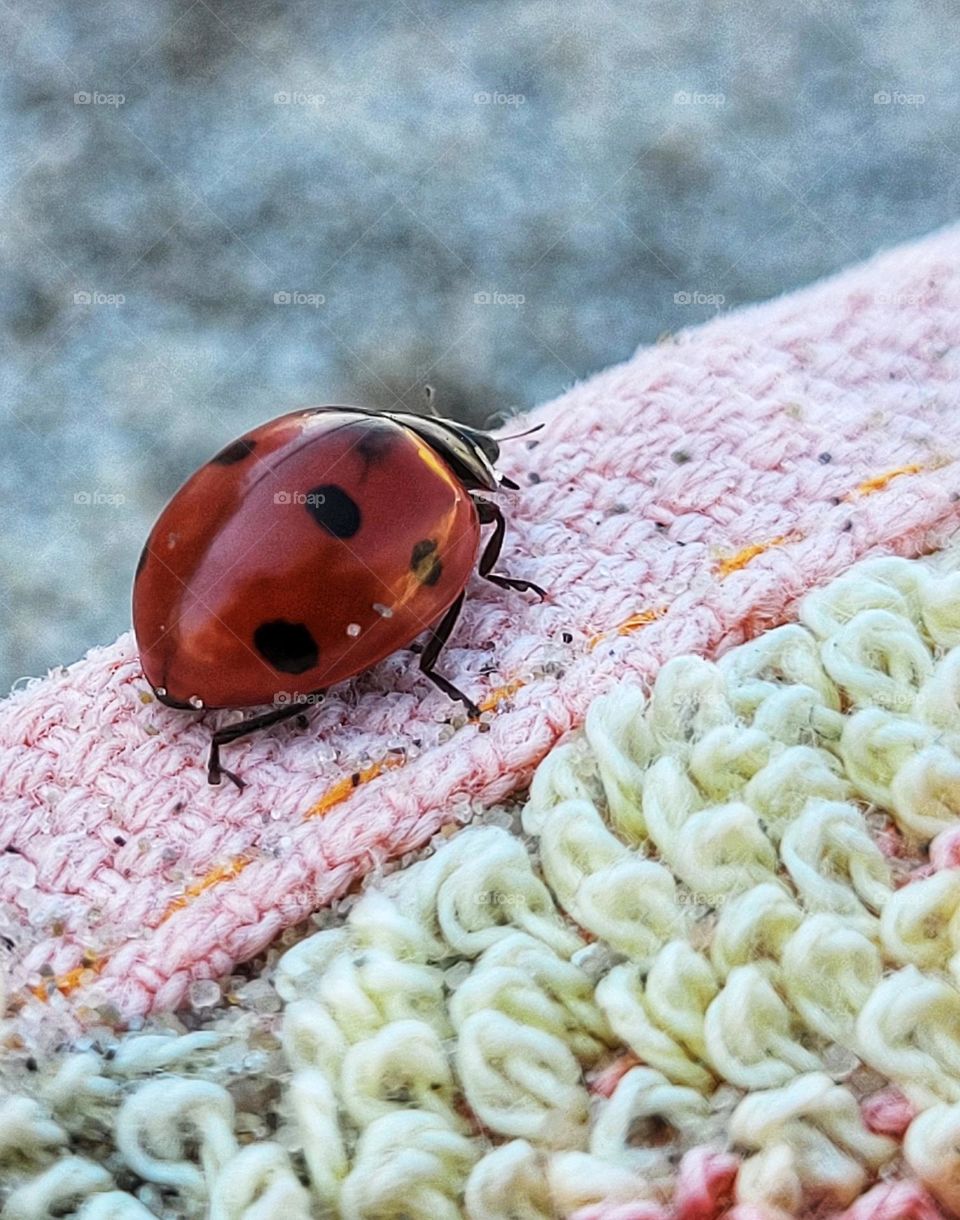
{"points": [[707, 970], [678, 503]]}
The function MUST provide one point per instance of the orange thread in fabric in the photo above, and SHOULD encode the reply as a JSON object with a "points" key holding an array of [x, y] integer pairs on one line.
{"points": [[879, 481], [223, 872], [733, 563]]}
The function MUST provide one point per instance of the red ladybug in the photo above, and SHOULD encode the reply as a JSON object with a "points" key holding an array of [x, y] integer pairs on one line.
{"points": [[308, 550]]}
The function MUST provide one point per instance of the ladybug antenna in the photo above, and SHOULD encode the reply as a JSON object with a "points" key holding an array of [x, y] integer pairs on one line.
{"points": [[515, 436], [430, 395]]}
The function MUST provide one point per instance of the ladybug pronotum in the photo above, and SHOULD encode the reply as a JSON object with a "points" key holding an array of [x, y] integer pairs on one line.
{"points": [[308, 550]]}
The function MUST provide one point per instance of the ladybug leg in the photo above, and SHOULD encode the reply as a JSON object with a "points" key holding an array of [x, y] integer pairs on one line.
{"points": [[431, 650], [224, 736], [490, 513]]}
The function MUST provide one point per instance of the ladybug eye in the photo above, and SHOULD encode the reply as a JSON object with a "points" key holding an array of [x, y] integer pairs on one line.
{"points": [[482, 440]]}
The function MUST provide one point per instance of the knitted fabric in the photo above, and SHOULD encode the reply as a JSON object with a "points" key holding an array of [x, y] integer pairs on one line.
{"points": [[709, 969], [678, 503]]}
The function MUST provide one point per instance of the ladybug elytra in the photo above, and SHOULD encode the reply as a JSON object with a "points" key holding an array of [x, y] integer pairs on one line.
{"points": [[308, 550]]}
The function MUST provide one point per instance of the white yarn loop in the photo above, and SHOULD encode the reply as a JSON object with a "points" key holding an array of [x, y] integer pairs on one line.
{"points": [[26, 1128], [909, 1029], [810, 1133], [874, 746], [826, 947], [932, 1150], [887, 584], [753, 1039], [675, 1045], [315, 1112], [723, 851], [784, 656], [644, 1100], [113, 1205], [724, 759], [154, 1123], [670, 799], [925, 793], [779, 792], [835, 864], [63, 1185], [622, 744], [403, 1066], [509, 1183], [142, 1053], [921, 923], [753, 929], [689, 698], [521, 1081], [562, 776], [527, 981], [407, 1166], [628, 901], [879, 660], [259, 1184]]}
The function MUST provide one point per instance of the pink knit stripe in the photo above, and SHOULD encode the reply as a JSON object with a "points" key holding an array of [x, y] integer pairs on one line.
{"points": [[706, 485]]}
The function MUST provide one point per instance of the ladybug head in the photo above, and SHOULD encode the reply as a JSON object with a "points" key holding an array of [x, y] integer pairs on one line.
{"points": [[470, 453]]}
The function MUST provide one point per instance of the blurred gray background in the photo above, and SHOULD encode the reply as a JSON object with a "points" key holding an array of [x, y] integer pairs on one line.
{"points": [[216, 210]]}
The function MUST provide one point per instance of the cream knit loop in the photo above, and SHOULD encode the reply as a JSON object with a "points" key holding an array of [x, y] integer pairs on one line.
{"points": [[153, 1126]]}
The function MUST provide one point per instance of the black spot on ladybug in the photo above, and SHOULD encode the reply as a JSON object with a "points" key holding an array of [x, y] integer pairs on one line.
{"points": [[141, 563], [333, 510], [425, 562], [234, 453], [289, 647]]}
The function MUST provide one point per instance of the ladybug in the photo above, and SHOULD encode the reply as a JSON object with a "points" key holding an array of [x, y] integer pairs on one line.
{"points": [[308, 550]]}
